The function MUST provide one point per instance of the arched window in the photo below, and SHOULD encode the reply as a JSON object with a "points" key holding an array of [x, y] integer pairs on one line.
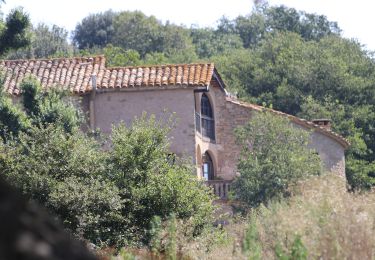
{"points": [[207, 116], [207, 167]]}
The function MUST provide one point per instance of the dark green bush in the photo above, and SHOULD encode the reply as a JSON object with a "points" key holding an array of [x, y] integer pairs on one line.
{"points": [[274, 157], [50, 106], [150, 184], [67, 174]]}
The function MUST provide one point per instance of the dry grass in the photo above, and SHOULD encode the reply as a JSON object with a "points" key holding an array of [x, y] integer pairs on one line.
{"points": [[332, 224]]}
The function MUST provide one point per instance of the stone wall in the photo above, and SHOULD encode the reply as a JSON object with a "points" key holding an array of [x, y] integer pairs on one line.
{"points": [[116, 106], [225, 152]]}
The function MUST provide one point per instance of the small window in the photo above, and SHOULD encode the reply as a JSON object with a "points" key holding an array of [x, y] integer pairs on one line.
{"points": [[208, 124], [207, 167]]}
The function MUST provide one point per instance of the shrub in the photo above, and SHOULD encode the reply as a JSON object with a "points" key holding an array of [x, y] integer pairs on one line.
{"points": [[171, 247], [151, 185], [12, 119], [39, 109], [66, 173], [155, 235], [250, 243], [274, 157], [48, 107]]}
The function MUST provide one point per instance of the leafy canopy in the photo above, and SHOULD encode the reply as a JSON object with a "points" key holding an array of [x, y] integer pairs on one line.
{"points": [[14, 31]]}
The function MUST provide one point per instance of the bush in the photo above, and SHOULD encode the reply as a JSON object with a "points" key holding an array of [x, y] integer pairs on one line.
{"points": [[274, 157], [49, 107], [39, 109], [66, 173], [150, 183], [360, 174], [12, 119]]}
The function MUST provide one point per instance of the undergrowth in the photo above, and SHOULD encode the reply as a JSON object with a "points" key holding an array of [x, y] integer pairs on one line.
{"points": [[320, 221]]}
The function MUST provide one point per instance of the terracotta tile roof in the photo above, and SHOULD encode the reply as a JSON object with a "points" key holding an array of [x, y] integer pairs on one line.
{"points": [[74, 74], [303, 122]]}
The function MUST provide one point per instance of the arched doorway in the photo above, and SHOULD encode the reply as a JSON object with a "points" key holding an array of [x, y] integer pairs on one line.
{"points": [[207, 167]]}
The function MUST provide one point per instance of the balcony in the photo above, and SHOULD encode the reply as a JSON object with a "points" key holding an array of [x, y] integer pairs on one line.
{"points": [[221, 188]]}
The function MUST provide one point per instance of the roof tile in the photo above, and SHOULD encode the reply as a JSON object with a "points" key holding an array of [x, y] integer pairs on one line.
{"points": [[74, 74]]}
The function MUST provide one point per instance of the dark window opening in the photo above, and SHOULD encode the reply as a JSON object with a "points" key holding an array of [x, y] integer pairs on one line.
{"points": [[207, 167], [206, 109], [206, 124]]}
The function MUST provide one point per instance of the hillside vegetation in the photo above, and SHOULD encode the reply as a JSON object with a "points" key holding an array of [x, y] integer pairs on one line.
{"points": [[135, 199]]}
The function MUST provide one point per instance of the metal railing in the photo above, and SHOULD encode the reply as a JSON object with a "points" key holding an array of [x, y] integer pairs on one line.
{"points": [[221, 188]]}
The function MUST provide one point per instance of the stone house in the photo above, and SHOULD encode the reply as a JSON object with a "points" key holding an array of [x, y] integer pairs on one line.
{"points": [[207, 114]]}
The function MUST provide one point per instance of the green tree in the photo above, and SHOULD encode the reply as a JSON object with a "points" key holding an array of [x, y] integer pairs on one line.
{"points": [[251, 28], [274, 157], [95, 30], [118, 57], [14, 31], [66, 173], [135, 30], [12, 119], [49, 107], [45, 42], [209, 42]]}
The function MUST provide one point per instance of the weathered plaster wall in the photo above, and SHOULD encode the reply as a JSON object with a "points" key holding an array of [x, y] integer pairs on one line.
{"points": [[114, 107], [331, 153]]}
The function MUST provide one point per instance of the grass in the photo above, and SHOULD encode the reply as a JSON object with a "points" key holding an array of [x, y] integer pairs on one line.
{"points": [[332, 223], [320, 221]]}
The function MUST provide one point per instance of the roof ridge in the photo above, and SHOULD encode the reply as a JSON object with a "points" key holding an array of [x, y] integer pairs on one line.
{"points": [[57, 58], [160, 65]]}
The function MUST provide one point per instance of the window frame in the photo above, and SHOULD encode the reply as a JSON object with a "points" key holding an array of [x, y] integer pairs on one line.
{"points": [[205, 124]]}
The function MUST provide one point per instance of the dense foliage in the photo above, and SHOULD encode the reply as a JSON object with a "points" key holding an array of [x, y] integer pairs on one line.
{"points": [[107, 196], [14, 31], [45, 42], [274, 157], [151, 181]]}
